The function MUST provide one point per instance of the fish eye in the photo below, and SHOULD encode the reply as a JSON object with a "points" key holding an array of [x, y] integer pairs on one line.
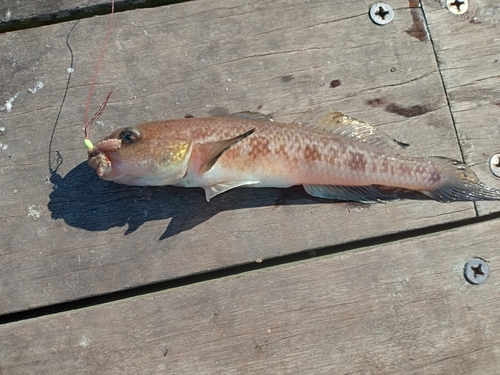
{"points": [[130, 135]]}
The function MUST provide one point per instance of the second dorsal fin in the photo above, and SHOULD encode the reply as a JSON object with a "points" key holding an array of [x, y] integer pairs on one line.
{"points": [[348, 127], [248, 115]]}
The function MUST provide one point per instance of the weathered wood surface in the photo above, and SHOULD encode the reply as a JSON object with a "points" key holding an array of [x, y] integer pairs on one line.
{"points": [[66, 235], [468, 53], [399, 308], [15, 10]]}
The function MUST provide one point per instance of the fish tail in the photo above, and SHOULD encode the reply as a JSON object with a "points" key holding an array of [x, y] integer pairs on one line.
{"points": [[460, 183]]}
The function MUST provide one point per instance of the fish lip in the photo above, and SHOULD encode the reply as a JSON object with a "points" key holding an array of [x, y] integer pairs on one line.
{"points": [[98, 160], [97, 154], [93, 152]]}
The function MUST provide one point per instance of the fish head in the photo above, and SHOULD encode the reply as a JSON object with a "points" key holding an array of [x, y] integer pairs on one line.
{"points": [[140, 156]]}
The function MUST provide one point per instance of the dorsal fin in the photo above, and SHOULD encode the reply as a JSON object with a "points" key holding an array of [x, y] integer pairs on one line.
{"points": [[348, 127], [319, 117], [248, 115]]}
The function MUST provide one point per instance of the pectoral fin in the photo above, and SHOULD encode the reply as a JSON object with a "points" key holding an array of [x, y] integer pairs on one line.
{"points": [[212, 191], [207, 154]]}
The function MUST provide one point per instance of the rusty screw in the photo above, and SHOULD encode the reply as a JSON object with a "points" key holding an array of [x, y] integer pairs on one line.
{"points": [[495, 165], [476, 271], [457, 6], [381, 13]]}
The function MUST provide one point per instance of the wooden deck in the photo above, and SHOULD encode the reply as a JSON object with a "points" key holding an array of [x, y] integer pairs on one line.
{"points": [[101, 278]]}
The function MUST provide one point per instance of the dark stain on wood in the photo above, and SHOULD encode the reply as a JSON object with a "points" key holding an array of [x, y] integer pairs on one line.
{"points": [[413, 111], [218, 112], [287, 79], [417, 29], [376, 102], [414, 3], [258, 348], [497, 104], [335, 83]]}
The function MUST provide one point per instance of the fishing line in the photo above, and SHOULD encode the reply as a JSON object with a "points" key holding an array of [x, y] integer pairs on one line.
{"points": [[59, 159], [88, 125]]}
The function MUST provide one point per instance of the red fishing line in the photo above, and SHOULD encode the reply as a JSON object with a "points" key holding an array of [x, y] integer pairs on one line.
{"points": [[88, 125]]}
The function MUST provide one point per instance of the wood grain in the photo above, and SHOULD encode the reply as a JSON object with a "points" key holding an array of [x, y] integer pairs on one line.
{"points": [[468, 53], [65, 235], [47, 10], [399, 308]]}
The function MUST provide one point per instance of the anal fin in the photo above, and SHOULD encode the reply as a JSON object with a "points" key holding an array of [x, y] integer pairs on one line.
{"points": [[212, 191], [364, 194]]}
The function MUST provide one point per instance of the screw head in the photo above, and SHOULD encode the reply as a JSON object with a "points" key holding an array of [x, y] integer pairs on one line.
{"points": [[495, 165], [476, 271], [381, 13], [457, 6]]}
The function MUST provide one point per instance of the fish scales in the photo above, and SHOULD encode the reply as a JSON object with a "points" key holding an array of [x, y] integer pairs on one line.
{"points": [[315, 156], [277, 149]]}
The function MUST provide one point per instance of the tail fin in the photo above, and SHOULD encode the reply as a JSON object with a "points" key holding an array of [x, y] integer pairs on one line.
{"points": [[460, 183]]}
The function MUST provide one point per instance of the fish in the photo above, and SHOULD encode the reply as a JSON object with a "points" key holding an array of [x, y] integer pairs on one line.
{"points": [[331, 154]]}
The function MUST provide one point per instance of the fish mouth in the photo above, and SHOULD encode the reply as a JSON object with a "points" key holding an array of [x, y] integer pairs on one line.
{"points": [[93, 152], [99, 161]]}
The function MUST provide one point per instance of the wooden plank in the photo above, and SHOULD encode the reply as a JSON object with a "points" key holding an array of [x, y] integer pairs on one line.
{"points": [[14, 10], [66, 235], [399, 308], [468, 53]]}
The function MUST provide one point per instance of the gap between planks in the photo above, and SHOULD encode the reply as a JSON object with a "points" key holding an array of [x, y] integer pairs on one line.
{"points": [[353, 246], [36, 14], [414, 313]]}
